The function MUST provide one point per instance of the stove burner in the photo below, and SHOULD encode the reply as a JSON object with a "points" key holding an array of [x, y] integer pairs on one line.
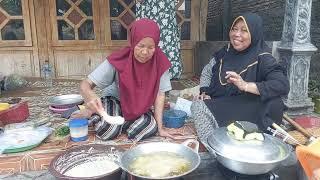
{"points": [[231, 175]]}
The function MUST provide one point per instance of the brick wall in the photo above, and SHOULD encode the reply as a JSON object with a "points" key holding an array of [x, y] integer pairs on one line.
{"points": [[272, 13]]}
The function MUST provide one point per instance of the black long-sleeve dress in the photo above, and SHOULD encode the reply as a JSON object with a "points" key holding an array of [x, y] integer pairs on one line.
{"points": [[228, 103]]}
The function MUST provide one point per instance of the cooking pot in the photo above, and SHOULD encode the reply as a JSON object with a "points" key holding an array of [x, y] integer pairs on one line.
{"points": [[249, 157], [82, 154], [182, 150]]}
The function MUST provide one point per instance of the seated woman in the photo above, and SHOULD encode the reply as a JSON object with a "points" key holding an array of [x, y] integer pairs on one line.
{"points": [[139, 75], [242, 82]]}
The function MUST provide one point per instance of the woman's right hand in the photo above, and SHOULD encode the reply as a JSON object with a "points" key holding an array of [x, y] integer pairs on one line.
{"points": [[94, 104], [169, 132], [202, 96]]}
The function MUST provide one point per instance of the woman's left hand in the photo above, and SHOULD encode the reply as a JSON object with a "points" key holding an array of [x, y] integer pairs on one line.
{"points": [[236, 79], [169, 133]]}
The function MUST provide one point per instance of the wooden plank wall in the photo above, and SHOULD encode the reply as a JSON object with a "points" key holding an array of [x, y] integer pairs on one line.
{"points": [[76, 60]]}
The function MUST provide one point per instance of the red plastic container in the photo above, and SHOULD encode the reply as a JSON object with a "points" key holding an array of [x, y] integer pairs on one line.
{"points": [[15, 114]]}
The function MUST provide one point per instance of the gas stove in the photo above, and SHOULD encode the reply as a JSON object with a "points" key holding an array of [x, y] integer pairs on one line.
{"points": [[231, 175], [211, 169]]}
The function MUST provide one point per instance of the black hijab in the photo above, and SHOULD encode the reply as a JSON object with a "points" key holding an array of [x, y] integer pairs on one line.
{"points": [[229, 59]]}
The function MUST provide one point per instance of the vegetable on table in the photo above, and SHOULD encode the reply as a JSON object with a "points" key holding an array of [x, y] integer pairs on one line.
{"points": [[62, 131]]}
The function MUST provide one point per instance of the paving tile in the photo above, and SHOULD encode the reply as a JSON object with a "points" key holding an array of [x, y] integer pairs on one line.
{"points": [[53, 145], [10, 164], [41, 160], [91, 139]]}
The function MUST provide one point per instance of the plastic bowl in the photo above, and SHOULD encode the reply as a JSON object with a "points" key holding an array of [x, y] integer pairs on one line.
{"points": [[174, 118]]}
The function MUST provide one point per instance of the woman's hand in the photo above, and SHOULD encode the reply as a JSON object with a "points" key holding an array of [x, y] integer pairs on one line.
{"points": [[202, 96], [236, 79], [92, 101], [94, 104], [164, 132]]}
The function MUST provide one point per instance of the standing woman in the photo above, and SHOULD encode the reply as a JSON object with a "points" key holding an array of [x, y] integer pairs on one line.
{"points": [[164, 13], [141, 78], [242, 82]]}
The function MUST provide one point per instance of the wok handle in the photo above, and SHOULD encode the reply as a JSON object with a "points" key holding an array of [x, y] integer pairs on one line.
{"points": [[192, 141], [297, 126], [211, 150]]}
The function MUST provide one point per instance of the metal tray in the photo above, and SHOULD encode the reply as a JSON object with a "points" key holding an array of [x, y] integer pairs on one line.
{"points": [[66, 100]]}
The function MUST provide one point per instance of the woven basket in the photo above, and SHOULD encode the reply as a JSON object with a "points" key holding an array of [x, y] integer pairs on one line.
{"points": [[16, 114], [301, 138]]}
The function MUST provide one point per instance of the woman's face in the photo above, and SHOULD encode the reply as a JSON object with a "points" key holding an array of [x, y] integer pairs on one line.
{"points": [[144, 50], [239, 36]]}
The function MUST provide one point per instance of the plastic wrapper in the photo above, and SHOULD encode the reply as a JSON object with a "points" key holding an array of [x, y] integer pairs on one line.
{"points": [[14, 81], [13, 140]]}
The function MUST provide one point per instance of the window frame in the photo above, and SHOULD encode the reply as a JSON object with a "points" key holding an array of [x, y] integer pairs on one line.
{"points": [[54, 33], [27, 42]]}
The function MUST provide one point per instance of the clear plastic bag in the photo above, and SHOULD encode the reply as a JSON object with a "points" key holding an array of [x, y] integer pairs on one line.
{"points": [[14, 81], [25, 138]]}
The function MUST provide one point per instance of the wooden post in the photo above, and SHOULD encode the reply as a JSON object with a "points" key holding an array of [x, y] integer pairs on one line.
{"points": [[203, 20], [40, 8]]}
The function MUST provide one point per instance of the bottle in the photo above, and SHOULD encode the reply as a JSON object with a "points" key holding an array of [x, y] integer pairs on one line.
{"points": [[47, 73]]}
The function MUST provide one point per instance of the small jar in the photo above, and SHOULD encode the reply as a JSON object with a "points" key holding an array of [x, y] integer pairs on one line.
{"points": [[78, 129]]}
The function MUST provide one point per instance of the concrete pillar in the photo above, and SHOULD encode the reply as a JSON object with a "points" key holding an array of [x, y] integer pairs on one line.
{"points": [[295, 49]]}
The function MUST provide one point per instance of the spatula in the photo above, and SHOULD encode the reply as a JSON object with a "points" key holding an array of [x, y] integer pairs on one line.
{"points": [[117, 120]]}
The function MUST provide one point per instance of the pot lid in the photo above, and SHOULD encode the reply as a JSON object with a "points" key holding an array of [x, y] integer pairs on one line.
{"points": [[225, 144]]}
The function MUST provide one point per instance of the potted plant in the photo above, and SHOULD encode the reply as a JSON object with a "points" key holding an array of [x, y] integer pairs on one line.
{"points": [[314, 93]]}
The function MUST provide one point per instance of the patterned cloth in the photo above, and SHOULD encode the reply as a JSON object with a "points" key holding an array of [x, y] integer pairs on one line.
{"points": [[204, 121], [145, 126], [164, 13]]}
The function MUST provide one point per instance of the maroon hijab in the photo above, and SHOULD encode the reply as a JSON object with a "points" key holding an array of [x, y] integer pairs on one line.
{"points": [[139, 82]]}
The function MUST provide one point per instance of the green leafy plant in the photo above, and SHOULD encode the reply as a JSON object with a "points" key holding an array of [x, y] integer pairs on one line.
{"points": [[62, 131], [314, 89]]}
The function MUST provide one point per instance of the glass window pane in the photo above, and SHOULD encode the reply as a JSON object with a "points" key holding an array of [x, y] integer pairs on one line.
{"points": [[178, 18], [127, 1], [133, 8], [187, 12], [86, 7], [65, 31], [127, 18], [115, 8], [62, 7], [118, 32], [2, 17], [13, 30], [185, 31], [12, 7], [75, 17], [86, 31]]}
